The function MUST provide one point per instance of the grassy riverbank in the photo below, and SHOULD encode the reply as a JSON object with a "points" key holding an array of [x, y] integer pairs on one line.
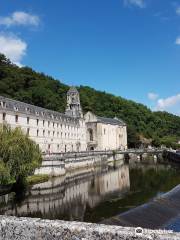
{"points": [[34, 179]]}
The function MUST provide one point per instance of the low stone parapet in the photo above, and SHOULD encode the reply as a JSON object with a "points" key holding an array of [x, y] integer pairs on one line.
{"points": [[12, 228]]}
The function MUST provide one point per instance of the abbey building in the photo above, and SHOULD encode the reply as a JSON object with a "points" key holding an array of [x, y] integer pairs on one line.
{"points": [[56, 132]]}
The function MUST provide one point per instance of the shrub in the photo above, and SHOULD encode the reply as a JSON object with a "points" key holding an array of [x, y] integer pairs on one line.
{"points": [[19, 154], [4, 174]]}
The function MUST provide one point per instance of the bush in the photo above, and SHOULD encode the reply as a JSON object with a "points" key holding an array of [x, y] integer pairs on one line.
{"points": [[19, 154], [4, 174], [34, 179]]}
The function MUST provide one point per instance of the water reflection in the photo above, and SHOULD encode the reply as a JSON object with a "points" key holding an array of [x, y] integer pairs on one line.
{"points": [[91, 194], [67, 197]]}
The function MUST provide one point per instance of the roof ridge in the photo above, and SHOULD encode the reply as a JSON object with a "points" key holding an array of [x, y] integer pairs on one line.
{"points": [[35, 107]]}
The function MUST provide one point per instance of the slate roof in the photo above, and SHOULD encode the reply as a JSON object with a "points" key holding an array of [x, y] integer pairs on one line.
{"points": [[113, 121], [7, 104]]}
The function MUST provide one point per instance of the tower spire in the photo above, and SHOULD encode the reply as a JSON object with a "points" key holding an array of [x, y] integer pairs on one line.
{"points": [[73, 107]]}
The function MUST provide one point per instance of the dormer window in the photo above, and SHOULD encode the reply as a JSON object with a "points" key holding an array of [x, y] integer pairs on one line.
{"points": [[42, 113], [3, 104], [37, 113], [15, 108], [27, 109]]}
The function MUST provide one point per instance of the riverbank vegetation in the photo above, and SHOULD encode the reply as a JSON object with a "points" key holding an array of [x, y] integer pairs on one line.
{"points": [[34, 179], [26, 85], [19, 156]]}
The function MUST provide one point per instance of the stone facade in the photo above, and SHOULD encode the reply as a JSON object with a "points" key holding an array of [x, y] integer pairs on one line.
{"points": [[105, 133], [57, 132]]}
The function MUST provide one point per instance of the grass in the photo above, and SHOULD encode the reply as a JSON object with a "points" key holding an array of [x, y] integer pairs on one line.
{"points": [[34, 179]]}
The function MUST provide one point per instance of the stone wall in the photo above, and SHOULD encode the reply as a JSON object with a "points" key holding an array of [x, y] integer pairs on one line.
{"points": [[57, 165], [12, 228]]}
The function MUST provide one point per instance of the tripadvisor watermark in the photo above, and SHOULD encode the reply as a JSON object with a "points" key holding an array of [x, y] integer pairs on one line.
{"points": [[150, 233]]}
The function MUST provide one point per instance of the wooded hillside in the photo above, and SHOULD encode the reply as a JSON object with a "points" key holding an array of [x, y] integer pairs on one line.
{"points": [[26, 85]]}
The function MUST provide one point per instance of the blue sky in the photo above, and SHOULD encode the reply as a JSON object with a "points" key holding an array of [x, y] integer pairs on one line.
{"points": [[130, 48]]}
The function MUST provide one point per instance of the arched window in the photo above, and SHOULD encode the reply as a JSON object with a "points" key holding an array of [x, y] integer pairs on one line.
{"points": [[91, 137]]}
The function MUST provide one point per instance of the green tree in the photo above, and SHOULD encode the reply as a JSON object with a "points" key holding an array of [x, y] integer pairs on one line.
{"points": [[19, 155]]}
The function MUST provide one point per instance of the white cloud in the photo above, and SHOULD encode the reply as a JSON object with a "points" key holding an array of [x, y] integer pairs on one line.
{"points": [[168, 103], [152, 96], [177, 41], [178, 11], [138, 3], [20, 18], [13, 47]]}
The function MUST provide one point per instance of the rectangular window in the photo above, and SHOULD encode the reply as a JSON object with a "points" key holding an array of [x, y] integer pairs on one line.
{"points": [[48, 123], [37, 133], [43, 132], [16, 118], [53, 124], [4, 116], [27, 120], [48, 133], [28, 131], [43, 123], [53, 133], [37, 121]]}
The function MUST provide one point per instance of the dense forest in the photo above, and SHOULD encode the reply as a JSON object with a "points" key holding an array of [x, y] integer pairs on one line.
{"points": [[26, 85]]}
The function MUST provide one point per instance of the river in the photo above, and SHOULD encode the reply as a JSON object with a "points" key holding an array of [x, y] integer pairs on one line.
{"points": [[93, 194]]}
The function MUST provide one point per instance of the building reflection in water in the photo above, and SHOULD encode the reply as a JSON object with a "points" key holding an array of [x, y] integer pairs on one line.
{"points": [[69, 197]]}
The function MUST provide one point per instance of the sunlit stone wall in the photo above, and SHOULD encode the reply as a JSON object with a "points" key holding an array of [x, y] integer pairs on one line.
{"points": [[105, 133], [12, 228]]}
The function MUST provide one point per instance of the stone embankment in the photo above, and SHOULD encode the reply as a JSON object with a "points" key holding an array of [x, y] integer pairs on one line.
{"points": [[58, 164], [12, 228]]}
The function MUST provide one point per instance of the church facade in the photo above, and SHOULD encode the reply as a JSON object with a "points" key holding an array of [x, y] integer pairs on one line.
{"points": [[56, 132], [105, 133]]}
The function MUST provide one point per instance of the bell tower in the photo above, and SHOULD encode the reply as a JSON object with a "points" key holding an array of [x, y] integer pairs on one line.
{"points": [[73, 107]]}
